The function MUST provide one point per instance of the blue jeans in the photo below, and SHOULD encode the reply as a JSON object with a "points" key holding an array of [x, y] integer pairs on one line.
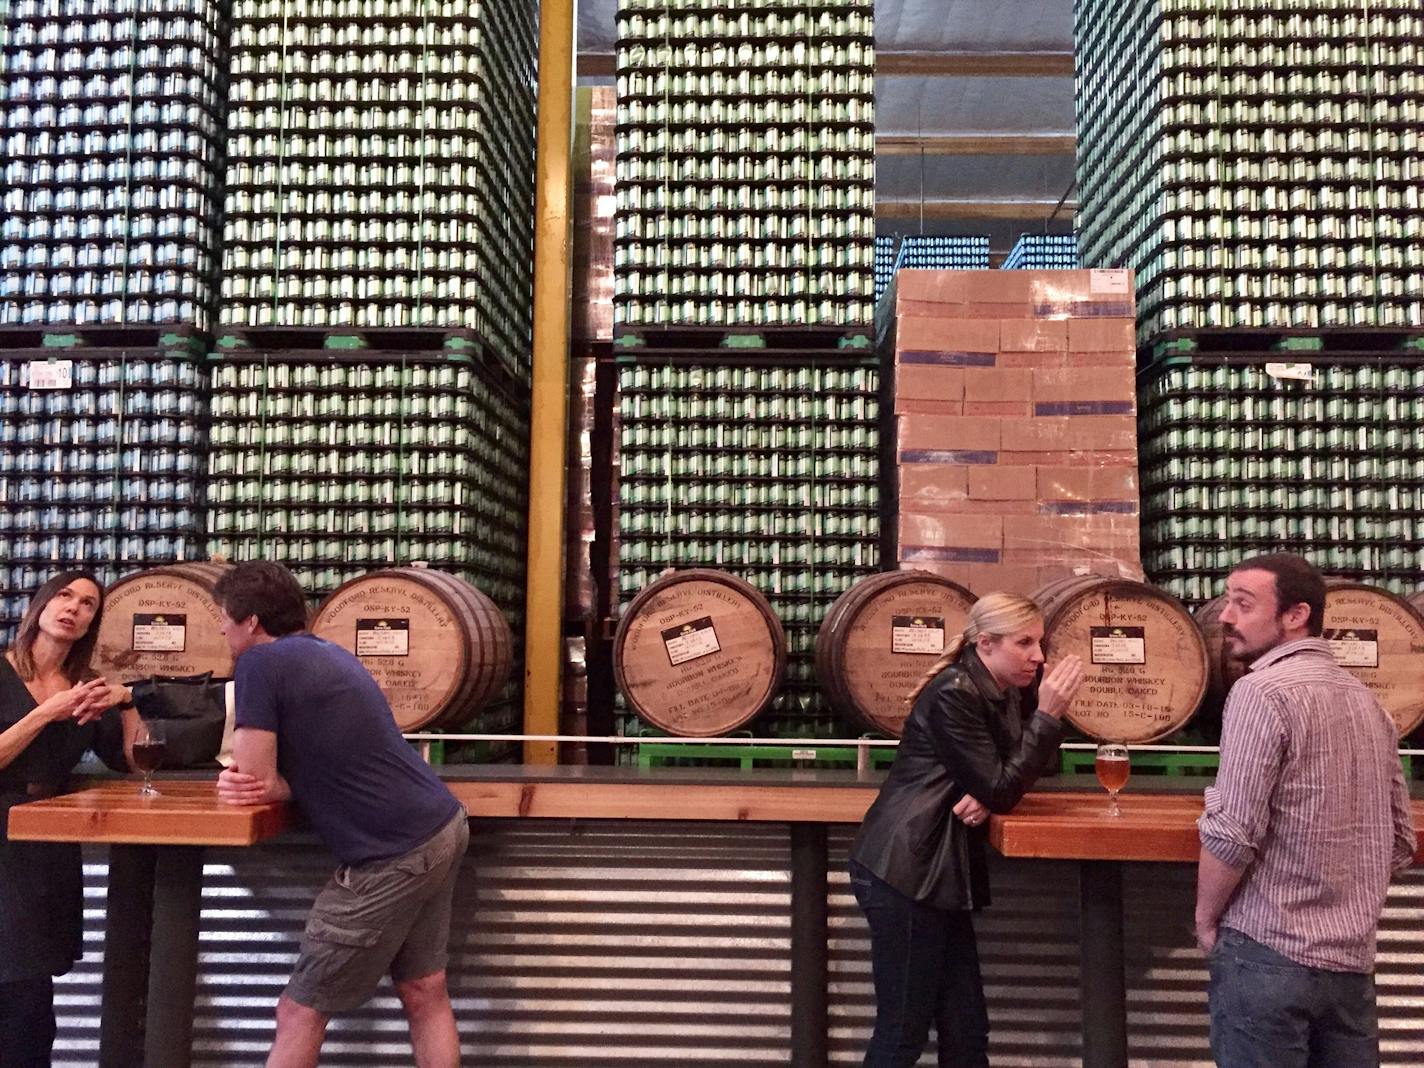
{"points": [[925, 964], [1269, 1012]]}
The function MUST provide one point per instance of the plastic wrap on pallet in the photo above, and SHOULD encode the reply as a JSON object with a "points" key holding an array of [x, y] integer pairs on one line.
{"points": [[573, 713], [580, 589], [595, 151], [1015, 423]]}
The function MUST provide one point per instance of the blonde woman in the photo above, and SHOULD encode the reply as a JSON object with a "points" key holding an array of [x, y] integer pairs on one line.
{"points": [[978, 735]]}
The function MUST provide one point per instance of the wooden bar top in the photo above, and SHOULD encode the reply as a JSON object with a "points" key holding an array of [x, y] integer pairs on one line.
{"points": [[186, 813], [770, 803], [1051, 823], [1076, 826]]}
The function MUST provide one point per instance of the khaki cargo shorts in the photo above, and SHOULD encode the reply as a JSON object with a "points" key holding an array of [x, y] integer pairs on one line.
{"points": [[390, 917]]}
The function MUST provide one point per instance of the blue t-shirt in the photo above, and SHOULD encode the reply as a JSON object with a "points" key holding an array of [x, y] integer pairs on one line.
{"points": [[361, 786]]}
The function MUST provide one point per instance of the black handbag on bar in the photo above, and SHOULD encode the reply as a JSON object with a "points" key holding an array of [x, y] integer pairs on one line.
{"points": [[193, 711]]}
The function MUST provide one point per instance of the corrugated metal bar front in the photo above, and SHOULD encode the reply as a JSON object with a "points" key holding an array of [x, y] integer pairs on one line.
{"points": [[1166, 976], [602, 944], [1028, 952]]}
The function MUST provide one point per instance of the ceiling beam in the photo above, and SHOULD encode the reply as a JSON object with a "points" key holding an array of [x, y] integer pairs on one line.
{"points": [[1039, 144], [919, 64], [948, 208]]}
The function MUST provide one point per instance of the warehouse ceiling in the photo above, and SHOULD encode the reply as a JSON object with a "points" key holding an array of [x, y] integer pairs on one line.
{"points": [[974, 112]]}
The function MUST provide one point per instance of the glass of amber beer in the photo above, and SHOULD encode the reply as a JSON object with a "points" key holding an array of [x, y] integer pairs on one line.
{"points": [[1113, 768]]}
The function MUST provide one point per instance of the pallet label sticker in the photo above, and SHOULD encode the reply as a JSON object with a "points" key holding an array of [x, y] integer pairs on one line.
{"points": [[159, 633], [1119, 645], [1299, 372], [51, 374], [1109, 283], [1354, 648], [917, 634], [691, 640], [383, 637]]}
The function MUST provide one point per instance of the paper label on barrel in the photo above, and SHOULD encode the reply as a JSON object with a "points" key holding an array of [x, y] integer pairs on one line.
{"points": [[1119, 645], [917, 634], [383, 637], [51, 374], [1354, 648], [690, 641], [159, 633]]}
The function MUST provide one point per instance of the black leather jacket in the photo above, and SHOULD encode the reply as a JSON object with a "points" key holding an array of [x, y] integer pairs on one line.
{"points": [[964, 735]]}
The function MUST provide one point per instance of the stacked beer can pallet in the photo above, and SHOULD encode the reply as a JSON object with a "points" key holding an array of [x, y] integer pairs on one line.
{"points": [[339, 462], [765, 466], [1043, 252], [744, 288], [111, 118], [746, 165], [380, 169], [101, 456], [965, 253], [371, 375], [1320, 453], [884, 263], [1257, 165]]}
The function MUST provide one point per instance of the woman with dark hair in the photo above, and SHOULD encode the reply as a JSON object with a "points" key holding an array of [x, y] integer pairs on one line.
{"points": [[984, 723], [51, 702]]}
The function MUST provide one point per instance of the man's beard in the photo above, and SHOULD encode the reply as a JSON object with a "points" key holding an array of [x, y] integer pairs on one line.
{"points": [[1246, 655]]}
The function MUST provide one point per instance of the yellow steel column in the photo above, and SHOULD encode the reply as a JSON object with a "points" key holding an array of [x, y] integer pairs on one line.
{"points": [[544, 600]]}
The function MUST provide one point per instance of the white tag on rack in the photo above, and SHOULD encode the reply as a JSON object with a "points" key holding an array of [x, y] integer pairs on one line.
{"points": [[1300, 372], [51, 374]]}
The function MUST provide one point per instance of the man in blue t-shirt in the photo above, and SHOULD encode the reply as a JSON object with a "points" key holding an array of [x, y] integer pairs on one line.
{"points": [[312, 726]]}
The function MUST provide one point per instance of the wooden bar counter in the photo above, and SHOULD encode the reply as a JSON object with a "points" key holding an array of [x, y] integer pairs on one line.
{"points": [[185, 813], [157, 846], [1075, 825], [155, 886]]}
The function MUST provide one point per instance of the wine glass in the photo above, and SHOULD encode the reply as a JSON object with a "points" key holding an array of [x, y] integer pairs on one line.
{"points": [[1113, 767], [148, 747]]}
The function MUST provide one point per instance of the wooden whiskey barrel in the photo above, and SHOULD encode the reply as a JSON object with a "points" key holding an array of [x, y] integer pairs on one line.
{"points": [[1144, 660], [163, 621], [698, 653], [880, 637], [439, 648], [1374, 634]]}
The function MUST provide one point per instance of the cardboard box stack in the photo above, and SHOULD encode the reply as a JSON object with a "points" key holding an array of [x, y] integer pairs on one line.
{"points": [[1016, 425]]}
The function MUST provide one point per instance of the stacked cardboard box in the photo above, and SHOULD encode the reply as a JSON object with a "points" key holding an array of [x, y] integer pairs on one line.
{"points": [[1016, 427]]}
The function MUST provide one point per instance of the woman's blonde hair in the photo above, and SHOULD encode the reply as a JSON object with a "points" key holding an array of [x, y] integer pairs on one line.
{"points": [[995, 614]]}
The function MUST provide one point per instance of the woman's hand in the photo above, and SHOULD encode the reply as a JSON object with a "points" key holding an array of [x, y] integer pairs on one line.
{"points": [[73, 703], [106, 695], [970, 811], [1055, 692]]}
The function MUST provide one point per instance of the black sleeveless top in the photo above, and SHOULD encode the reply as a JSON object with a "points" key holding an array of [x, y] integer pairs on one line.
{"points": [[41, 883]]}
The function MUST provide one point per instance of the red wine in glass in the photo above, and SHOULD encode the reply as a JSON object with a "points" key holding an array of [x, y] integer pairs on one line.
{"points": [[149, 746]]}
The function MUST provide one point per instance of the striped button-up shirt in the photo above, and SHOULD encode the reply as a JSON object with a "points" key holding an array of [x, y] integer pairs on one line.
{"points": [[1310, 800]]}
